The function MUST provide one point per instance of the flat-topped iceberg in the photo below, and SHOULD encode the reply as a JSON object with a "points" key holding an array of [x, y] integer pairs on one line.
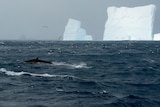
{"points": [[73, 31], [130, 23]]}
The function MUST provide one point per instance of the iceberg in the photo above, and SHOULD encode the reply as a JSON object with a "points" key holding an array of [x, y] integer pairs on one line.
{"points": [[73, 31], [126, 23], [88, 37], [157, 37]]}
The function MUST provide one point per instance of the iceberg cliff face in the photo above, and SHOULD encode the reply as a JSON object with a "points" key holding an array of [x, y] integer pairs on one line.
{"points": [[130, 23], [73, 31], [157, 37]]}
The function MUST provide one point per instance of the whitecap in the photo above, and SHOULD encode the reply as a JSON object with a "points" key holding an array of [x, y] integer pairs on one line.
{"points": [[13, 73], [72, 66], [59, 89]]}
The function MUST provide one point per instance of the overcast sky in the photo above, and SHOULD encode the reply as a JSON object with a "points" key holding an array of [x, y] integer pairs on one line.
{"points": [[46, 19]]}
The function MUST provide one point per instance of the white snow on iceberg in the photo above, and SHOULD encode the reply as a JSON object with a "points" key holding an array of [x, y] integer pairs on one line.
{"points": [[130, 23], [73, 31]]}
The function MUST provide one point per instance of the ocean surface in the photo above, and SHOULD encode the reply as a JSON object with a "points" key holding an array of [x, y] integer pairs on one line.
{"points": [[82, 74]]}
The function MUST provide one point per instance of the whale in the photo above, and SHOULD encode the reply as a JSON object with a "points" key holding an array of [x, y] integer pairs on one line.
{"points": [[37, 60]]}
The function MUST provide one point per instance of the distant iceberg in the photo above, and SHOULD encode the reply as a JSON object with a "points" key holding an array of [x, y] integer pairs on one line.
{"points": [[157, 37], [73, 31], [130, 23]]}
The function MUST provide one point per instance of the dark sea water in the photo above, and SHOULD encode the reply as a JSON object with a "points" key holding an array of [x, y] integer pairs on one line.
{"points": [[82, 74]]}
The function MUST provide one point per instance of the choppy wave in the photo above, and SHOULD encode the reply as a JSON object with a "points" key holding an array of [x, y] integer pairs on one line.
{"points": [[108, 74], [72, 66], [13, 73]]}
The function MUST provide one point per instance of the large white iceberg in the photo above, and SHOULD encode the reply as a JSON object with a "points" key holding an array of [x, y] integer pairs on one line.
{"points": [[73, 31], [157, 37], [130, 23]]}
